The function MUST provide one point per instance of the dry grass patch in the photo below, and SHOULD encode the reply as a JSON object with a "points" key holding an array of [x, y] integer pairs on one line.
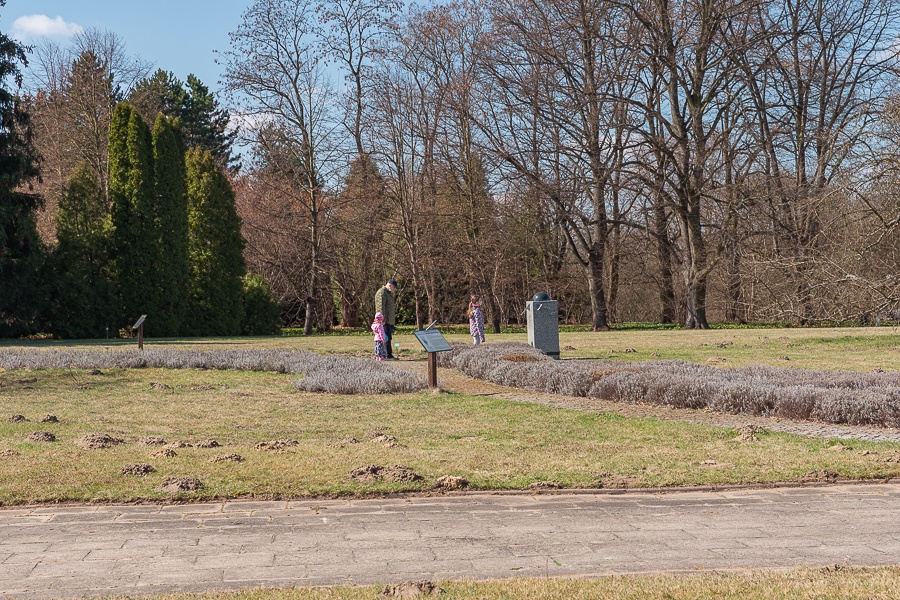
{"points": [[288, 442], [795, 584]]}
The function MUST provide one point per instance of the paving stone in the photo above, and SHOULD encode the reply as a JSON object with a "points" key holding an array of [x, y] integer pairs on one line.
{"points": [[451, 537]]}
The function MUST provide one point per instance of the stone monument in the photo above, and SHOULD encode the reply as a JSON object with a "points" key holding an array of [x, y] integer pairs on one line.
{"points": [[542, 316]]}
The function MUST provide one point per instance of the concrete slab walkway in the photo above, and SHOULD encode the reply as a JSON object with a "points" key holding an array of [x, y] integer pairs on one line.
{"points": [[61, 552]]}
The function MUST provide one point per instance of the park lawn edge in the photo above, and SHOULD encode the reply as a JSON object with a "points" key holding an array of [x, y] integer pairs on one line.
{"points": [[831, 581], [618, 491]]}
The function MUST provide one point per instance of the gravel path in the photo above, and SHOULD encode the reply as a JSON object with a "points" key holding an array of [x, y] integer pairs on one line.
{"points": [[454, 381]]}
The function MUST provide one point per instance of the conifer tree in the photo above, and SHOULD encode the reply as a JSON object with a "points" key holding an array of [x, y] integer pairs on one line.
{"points": [[202, 122], [205, 124], [85, 303], [21, 251], [162, 92], [133, 197], [216, 249], [173, 272]]}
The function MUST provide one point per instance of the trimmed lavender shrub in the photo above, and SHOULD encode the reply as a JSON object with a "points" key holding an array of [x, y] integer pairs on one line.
{"points": [[333, 374], [345, 375], [835, 397]]}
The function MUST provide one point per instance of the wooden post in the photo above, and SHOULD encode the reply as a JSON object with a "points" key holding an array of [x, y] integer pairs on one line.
{"points": [[432, 370], [141, 336]]}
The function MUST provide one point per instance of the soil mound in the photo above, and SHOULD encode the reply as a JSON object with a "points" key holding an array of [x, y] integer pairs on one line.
{"points": [[544, 485], [160, 386], [276, 444], [451, 482], [97, 441], [151, 441], [206, 444], [163, 453], [411, 589], [8, 452], [95, 372], [17, 419], [137, 469], [49, 419], [749, 433], [41, 436], [395, 473], [178, 485], [231, 457], [179, 444], [823, 475]]}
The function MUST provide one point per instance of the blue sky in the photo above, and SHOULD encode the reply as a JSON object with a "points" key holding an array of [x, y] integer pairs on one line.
{"points": [[177, 36]]}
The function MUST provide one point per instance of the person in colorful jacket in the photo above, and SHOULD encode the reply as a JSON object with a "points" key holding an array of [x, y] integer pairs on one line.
{"points": [[384, 304], [380, 337], [476, 320]]}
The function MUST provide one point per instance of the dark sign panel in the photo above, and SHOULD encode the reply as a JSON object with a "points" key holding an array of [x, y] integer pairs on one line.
{"points": [[432, 340]]}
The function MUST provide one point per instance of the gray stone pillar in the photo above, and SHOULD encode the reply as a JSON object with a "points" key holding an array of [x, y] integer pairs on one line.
{"points": [[542, 315]]}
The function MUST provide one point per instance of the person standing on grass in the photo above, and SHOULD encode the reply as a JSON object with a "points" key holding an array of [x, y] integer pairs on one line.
{"points": [[384, 304], [476, 320], [380, 336]]}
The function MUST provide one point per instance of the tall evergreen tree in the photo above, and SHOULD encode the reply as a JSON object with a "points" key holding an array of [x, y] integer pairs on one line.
{"points": [[84, 304], [172, 223], [216, 248], [21, 252], [162, 92], [205, 124], [133, 197], [202, 122]]}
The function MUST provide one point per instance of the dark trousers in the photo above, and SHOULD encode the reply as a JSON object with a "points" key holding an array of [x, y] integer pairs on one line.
{"points": [[389, 330]]}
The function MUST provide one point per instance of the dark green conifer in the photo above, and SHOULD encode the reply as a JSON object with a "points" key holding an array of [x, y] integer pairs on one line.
{"points": [[133, 197], [21, 253], [85, 303], [172, 224], [216, 249]]}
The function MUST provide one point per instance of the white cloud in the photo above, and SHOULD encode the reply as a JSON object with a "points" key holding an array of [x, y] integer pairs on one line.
{"points": [[42, 25]]}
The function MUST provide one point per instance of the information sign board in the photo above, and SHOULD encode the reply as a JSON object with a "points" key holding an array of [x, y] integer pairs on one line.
{"points": [[432, 340]]}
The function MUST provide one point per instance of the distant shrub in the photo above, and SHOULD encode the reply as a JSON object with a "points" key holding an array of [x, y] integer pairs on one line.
{"points": [[262, 315], [332, 374], [834, 397]]}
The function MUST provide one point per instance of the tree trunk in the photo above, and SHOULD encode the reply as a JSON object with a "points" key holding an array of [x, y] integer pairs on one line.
{"points": [[666, 285], [695, 269], [595, 285]]}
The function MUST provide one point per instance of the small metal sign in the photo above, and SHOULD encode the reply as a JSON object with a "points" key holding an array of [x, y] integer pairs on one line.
{"points": [[432, 340], [139, 322]]}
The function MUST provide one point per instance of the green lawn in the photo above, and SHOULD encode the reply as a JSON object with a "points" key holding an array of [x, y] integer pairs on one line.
{"points": [[494, 444]]}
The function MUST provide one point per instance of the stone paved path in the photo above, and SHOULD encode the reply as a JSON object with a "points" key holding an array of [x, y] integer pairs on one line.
{"points": [[61, 552], [455, 381]]}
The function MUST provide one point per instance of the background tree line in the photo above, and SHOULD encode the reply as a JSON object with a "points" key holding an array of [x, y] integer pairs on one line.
{"points": [[647, 160], [641, 161]]}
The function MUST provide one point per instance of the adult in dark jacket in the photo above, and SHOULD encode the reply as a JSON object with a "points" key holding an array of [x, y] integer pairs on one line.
{"points": [[384, 304]]}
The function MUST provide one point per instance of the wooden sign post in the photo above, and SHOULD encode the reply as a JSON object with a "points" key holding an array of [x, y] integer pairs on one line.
{"points": [[140, 329], [433, 342]]}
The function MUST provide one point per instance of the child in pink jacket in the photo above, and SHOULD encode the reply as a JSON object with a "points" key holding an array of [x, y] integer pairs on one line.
{"points": [[380, 337]]}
